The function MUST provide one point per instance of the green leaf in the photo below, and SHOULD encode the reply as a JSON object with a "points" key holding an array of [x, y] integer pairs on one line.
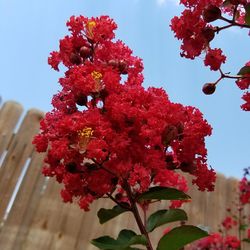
{"points": [[163, 193], [244, 70], [105, 215], [165, 216], [105, 242], [180, 236], [243, 227], [246, 240], [247, 14], [125, 239]]}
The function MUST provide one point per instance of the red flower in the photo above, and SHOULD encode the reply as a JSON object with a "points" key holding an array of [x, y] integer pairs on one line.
{"points": [[228, 223], [214, 241], [214, 58], [54, 60], [232, 242], [246, 98], [244, 187]]}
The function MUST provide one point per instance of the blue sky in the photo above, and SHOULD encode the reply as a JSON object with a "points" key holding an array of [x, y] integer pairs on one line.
{"points": [[31, 29]]}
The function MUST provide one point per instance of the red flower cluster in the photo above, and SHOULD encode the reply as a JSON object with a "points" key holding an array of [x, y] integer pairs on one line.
{"points": [[229, 223], [244, 187], [195, 30], [214, 58], [106, 129], [217, 242]]}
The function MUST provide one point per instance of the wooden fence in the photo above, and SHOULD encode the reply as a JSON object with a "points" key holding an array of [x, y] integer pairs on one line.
{"points": [[32, 215]]}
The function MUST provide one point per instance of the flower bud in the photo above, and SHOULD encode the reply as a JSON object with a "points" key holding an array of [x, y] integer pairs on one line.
{"points": [[85, 52], [71, 167], [188, 167], [208, 34], [209, 88], [169, 134], [123, 67], [75, 59], [113, 63], [211, 13], [81, 100]]}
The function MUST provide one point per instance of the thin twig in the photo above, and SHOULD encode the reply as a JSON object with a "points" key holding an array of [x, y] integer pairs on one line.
{"points": [[235, 23]]}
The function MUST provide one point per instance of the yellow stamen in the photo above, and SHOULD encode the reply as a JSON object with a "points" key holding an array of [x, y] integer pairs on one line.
{"points": [[90, 26], [96, 75], [84, 138], [85, 133]]}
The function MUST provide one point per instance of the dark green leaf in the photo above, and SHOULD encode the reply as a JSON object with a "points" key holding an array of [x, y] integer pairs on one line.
{"points": [[105, 215], [247, 14], [165, 216], [105, 242], [180, 236], [131, 238], [163, 193], [246, 240], [126, 238], [244, 70]]}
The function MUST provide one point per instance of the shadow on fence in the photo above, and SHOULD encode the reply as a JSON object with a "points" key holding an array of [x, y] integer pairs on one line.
{"points": [[32, 215]]}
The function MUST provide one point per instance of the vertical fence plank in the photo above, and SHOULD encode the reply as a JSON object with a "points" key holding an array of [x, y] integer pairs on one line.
{"points": [[23, 207], [9, 116], [68, 231], [196, 209], [46, 220], [19, 151], [90, 227], [217, 203]]}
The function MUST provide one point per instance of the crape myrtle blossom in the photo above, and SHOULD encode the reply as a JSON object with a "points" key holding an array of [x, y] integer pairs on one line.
{"points": [[196, 29], [107, 131], [244, 188], [217, 242]]}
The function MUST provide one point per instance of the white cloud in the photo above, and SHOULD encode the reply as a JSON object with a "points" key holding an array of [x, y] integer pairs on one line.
{"points": [[163, 2]]}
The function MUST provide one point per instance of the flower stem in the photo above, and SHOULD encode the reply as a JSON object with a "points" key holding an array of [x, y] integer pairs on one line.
{"points": [[235, 23], [136, 214], [218, 29]]}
